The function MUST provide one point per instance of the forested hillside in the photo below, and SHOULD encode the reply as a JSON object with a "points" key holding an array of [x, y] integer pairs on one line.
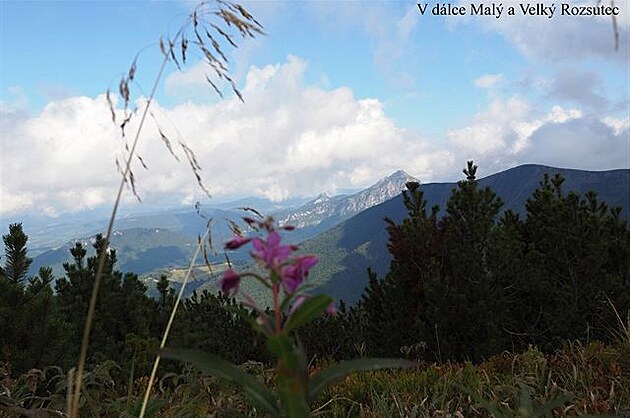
{"points": [[347, 250], [466, 283]]}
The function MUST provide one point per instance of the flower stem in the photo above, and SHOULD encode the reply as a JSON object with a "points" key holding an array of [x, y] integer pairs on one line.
{"points": [[276, 306]]}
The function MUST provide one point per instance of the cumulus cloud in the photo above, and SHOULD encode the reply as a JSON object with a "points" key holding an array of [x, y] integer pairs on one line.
{"points": [[55, 91], [48, 156], [186, 83], [571, 38], [18, 100], [580, 87], [494, 129], [512, 131], [287, 139], [617, 125], [588, 141]]}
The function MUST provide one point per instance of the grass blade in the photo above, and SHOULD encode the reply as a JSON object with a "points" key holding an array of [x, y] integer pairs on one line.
{"points": [[327, 376]]}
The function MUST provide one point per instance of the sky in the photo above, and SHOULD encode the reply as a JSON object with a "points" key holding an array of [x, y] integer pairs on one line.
{"points": [[337, 94]]}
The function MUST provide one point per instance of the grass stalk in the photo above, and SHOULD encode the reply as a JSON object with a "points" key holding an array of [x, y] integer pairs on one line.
{"points": [[74, 401], [167, 330], [248, 27]]}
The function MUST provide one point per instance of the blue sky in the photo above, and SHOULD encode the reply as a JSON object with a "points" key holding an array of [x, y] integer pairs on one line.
{"points": [[337, 95]]}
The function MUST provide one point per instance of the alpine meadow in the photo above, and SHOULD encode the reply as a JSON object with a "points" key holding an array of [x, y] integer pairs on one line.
{"points": [[294, 209]]}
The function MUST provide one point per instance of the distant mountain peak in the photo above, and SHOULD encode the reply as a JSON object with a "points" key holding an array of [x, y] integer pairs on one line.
{"points": [[322, 197], [399, 174], [334, 210], [396, 180]]}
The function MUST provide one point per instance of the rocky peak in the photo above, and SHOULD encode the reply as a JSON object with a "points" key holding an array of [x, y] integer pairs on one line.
{"points": [[397, 177], [339, 208], [321, 198]]}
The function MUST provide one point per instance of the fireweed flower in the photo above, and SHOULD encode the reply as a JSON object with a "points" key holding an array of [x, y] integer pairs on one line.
{"points": [[293, 275], [230, 281], [331, 310], [270, 252]]}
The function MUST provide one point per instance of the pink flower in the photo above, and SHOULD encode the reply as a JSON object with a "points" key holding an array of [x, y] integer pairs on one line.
{"points": [[331, 310], [270, 252], [230, 281], [236, 242], [294, 274]]}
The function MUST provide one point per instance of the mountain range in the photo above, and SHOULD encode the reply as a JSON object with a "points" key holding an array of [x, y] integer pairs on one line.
{"points": [[325, 212], [163, 240], [346, 250], [347, 232]]}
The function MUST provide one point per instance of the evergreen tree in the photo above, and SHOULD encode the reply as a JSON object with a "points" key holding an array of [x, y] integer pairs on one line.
{"points": [[46, 331], [163, 306], [123, 313], [331, 338], [167, 297], [577, 256], [396, 307], [17, 260], [216, 324], [509, 268], [467, 305], [31, 330]]}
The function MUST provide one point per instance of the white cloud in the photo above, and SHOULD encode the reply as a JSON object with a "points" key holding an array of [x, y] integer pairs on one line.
{"points": [[581, 87], [512, 131], [18, 103], [571, 38], [187, 83], [586, 141], [618, 126], [487, 81], [47, 156], [492, 130], [287, 139]]}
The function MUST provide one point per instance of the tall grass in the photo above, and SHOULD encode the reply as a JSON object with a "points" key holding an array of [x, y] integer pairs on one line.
{"points": [[581, 379], [156, 363], [199, 31]]}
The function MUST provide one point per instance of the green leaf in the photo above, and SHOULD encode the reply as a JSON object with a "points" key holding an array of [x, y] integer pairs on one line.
{"points": [[309, 310], [293, 397], [292, 375], [225, 370], [322, 379], [282, 346]]}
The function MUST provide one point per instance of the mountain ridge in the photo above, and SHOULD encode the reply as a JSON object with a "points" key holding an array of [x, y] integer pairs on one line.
{"points": [[325, 212], [142, 249], [347, 250]]}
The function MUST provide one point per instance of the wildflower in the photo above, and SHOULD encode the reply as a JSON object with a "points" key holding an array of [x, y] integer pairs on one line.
{"points": [[294, 274], [236, 242], [270, 252], [331, 310], [230, 281]]}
